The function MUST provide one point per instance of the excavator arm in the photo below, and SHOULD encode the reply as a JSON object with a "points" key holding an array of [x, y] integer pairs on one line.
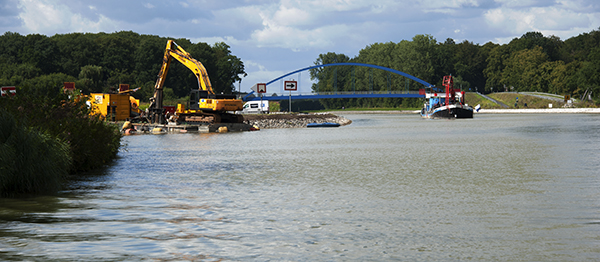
{"points": [[204, 98], [186, 59]]}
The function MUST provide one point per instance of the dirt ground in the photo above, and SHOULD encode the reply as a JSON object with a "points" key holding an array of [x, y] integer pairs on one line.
{"points": [[286, 116]]}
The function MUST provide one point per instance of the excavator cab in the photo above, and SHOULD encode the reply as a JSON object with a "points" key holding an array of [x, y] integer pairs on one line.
{"points": [[195, 96]]}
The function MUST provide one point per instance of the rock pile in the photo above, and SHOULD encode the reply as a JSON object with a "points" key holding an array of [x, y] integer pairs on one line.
{"points": [[292, 120]]}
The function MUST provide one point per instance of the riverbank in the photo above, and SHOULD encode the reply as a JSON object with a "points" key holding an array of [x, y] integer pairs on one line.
{"points": [[541, 111], [491, 111]]}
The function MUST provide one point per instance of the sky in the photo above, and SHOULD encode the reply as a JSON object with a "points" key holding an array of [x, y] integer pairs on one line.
{"points": [[275, 37]]}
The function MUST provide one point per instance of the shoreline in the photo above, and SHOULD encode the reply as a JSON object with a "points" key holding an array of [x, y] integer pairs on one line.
{"points": [[541, 111], [490, 111]]}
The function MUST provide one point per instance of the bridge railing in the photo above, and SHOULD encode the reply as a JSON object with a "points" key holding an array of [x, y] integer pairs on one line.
{"points": [[294, 93], [365, 92], [331, 95]]}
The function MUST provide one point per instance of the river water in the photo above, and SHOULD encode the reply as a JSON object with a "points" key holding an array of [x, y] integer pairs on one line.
{"points": [[386, 187]]}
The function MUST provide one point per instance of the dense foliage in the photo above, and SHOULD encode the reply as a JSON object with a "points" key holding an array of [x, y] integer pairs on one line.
{"points": [[46, 134], [32, 160], [532, 62], [100, 62]]}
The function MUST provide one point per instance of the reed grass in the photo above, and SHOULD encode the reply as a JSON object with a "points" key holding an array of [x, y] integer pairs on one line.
{"points": [[31, 161], [47, 135]]}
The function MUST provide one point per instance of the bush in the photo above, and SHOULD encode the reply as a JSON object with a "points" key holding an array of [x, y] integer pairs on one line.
{"points": [[31, 161], [91, 142]]}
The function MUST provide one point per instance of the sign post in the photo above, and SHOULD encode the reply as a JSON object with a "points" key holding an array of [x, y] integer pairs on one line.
{"points": [[261, 89], [290, 86]]}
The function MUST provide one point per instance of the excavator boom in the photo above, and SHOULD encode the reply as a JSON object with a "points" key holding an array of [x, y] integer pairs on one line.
{"points": [[201, 100]]}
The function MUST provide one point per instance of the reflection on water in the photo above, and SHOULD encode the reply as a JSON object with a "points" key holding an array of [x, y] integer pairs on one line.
{"points": [[387, 187]]}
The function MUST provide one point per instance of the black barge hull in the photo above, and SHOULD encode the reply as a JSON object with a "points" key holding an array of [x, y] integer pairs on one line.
{"points": [[450, 113]]}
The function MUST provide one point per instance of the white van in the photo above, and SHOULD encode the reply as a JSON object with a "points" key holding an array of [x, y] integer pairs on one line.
{"points": [[255, 107]]}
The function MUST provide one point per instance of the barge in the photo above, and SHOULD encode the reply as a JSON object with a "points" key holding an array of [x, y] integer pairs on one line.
{"points": [[449, 104]]}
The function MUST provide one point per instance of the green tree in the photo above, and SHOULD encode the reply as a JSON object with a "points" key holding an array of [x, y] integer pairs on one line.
{"points": [[117, 58], [10, 46], [418, 58], [325, 75], [229, 68], [589, 75], [523, 70], [494, 68], [148, 58], [90, 78], [578, 48], [550, 45], [447, 52], [76, 51], [470, 63]]}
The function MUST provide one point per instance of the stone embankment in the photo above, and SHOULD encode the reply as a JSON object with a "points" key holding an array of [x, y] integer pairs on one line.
{"points": [[292, 120]]}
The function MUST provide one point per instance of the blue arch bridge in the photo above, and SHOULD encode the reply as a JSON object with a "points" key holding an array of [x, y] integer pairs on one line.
{"points": [[352, 94]]}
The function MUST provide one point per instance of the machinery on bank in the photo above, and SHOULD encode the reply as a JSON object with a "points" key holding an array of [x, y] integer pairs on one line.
{"points": [[119, 106], [204, 107]]}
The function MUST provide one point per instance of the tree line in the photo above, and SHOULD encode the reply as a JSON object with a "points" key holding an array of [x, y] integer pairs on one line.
{"points": [[99, 62], [532, 62]]}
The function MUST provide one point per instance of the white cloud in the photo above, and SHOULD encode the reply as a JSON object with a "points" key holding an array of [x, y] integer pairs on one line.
{"points": [[149, 5], [230, 40], [48, 17], [292, 16], [276, 35], [543, 19], [516, 3], [442, 4], [301, 25]]}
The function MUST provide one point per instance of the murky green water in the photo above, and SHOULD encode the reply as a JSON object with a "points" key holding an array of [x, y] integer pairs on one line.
{"points": [[386, 187]]}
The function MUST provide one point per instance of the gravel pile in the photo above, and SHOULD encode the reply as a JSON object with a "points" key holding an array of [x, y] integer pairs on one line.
{"points": [[292, 120]]}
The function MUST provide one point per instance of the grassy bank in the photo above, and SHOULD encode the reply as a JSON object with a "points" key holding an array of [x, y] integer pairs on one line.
{"points": [[531, 101], [474, 99]]}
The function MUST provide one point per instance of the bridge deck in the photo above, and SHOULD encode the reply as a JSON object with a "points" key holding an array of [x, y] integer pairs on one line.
{"points": [[329, 95]]}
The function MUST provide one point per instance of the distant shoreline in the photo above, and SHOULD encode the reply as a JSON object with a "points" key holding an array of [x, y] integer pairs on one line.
{"points": [[488, 111], [541, 111]]}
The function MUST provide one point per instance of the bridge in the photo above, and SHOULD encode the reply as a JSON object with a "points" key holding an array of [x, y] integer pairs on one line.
{"points": [[352, 94]]}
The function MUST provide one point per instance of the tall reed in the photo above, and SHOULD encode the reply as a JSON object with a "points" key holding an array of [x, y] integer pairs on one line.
{"points": [[31, 161]]}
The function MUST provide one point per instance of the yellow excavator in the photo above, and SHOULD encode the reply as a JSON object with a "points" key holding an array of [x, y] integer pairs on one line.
{"points": [[204, 107]]}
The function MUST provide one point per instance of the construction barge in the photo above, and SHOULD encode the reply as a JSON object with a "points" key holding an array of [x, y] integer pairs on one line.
{"points": [[251, 122], [129, 128]]}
